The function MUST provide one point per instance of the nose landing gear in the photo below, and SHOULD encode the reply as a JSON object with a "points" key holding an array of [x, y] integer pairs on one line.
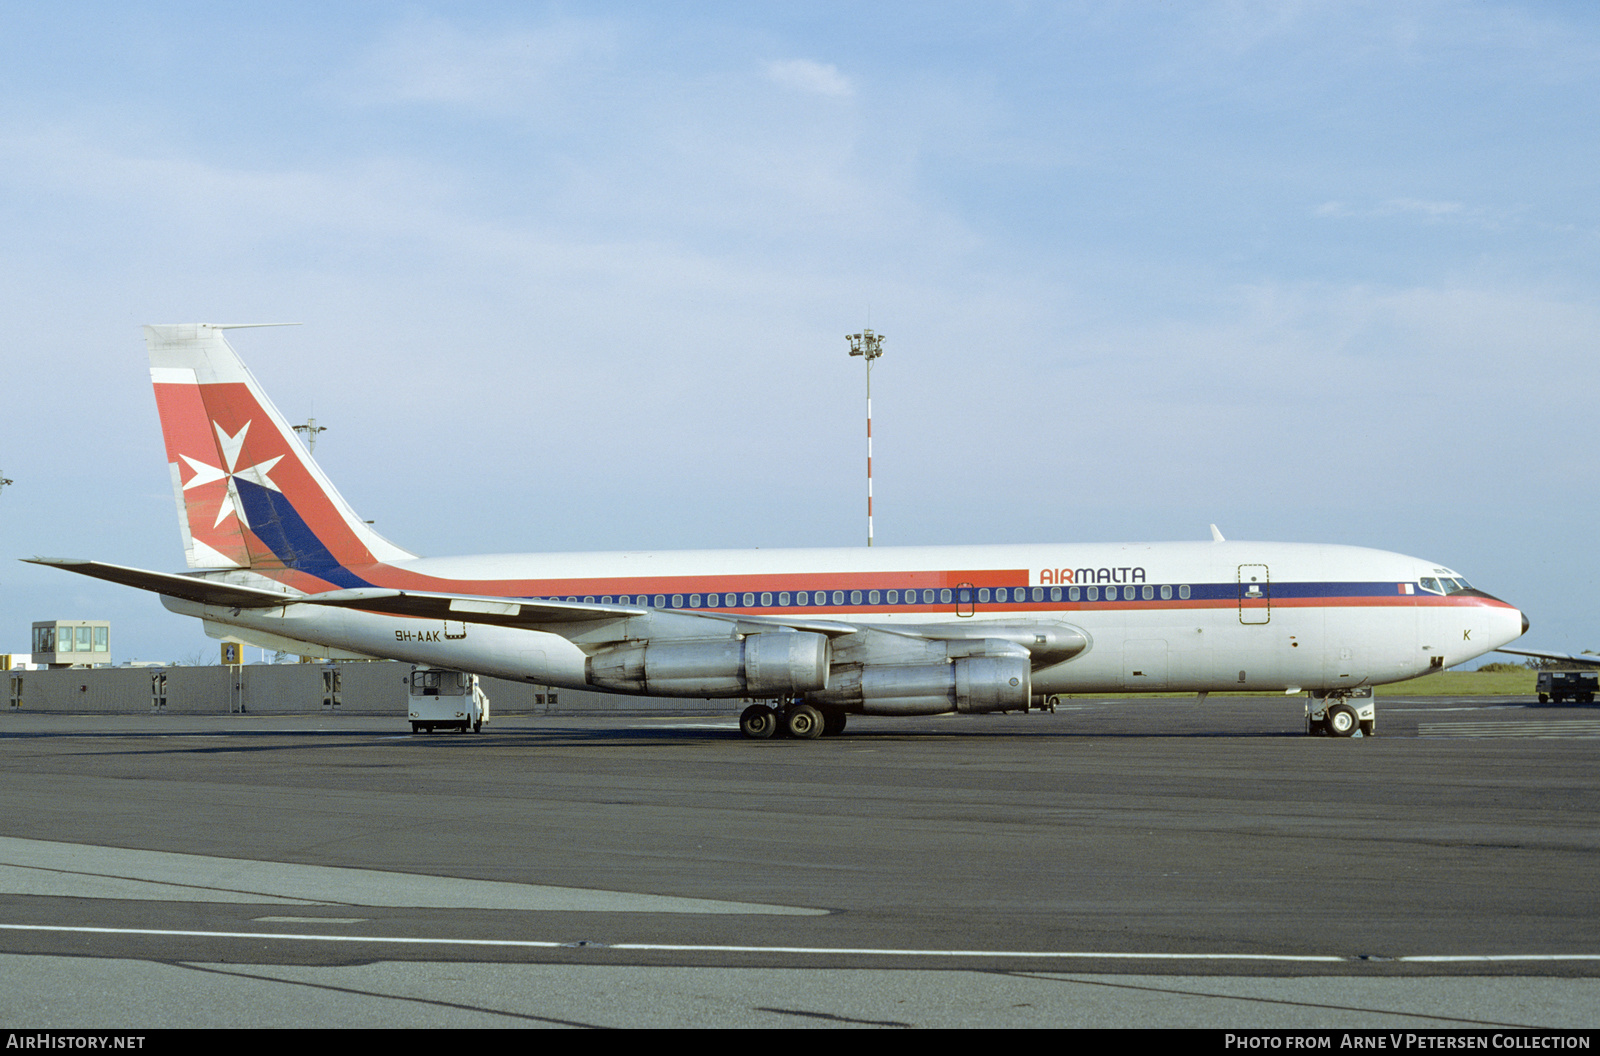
{"points": [[1341, 713]]}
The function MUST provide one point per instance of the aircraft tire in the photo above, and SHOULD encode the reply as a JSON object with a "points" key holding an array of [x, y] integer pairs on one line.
{"points": [[1342, 721], [1544, 698], [804, 722], [1368, 728], [833, 721], [416, 727], [758, 722], [477, 725]]}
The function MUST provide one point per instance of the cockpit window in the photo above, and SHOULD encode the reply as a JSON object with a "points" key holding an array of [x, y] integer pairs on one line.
{"points": [[1444, 584]]}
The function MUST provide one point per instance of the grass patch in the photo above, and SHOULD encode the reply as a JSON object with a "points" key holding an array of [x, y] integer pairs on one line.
{"points": [[1444, 684], [1465, 684]]}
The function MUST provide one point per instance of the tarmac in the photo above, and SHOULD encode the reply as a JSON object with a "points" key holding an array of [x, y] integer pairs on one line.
{"points": [[1118, 863]]}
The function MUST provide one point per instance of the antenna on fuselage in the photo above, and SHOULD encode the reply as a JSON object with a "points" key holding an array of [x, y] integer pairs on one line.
{"points": [[1216, 535]]}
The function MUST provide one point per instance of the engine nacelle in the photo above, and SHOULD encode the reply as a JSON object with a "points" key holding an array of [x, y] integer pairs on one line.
{"points": [[778, 663], [966, 684]]}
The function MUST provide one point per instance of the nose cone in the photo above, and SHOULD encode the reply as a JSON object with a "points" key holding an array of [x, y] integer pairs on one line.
{"points": [[1524, 623]]}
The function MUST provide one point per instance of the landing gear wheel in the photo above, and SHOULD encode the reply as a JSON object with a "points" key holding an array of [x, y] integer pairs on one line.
{"points": [[758, 722], [803, 722], [833, 721], [1342, 721], [416, 727], [477, 725]]}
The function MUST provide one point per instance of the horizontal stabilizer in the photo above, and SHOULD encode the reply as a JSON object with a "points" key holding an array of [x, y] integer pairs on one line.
{"points": [[189, 588]]}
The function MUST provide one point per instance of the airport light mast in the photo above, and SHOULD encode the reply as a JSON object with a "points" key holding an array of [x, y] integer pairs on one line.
{"points": [[869, 346], [309, 431]]}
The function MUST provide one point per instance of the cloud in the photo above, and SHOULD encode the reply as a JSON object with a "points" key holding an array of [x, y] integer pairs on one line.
{"points": [[807, 76], [427, 60], [1408, 207]]}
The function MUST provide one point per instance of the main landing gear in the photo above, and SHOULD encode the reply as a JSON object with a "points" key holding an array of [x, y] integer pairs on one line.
{"points": [[804, 722]]}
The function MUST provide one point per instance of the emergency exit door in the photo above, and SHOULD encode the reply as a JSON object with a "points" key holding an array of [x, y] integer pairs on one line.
{"points": [[1255, 594]]}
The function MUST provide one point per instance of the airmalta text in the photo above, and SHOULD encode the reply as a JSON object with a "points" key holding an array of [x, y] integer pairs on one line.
{"points": [[1086, 576]]}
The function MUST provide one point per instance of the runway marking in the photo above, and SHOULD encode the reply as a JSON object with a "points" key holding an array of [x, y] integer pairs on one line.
{"points": [[311, 920], [653, 947], [43, 867], [1546, 728], [832, 951]]}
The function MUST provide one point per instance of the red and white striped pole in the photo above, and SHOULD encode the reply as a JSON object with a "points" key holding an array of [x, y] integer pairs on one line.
{"points": [[869, 346]]}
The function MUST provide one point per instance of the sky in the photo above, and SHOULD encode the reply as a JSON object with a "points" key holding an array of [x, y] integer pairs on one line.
{"points": [[578, 276]]}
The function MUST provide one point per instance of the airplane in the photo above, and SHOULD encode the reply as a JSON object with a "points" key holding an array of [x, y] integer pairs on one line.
{"points": [[809, 636]]}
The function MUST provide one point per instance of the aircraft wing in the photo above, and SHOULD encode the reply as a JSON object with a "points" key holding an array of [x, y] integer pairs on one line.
{"points": [[189, 588], [515, 612], [497, 611], [468, 608], [1591, 659]]}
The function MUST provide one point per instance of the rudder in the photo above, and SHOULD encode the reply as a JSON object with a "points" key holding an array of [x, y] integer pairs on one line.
{"points": [[248, 494]]}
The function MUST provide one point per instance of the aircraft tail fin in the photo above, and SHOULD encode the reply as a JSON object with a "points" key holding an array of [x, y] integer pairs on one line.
{"points": [[249, 496]]}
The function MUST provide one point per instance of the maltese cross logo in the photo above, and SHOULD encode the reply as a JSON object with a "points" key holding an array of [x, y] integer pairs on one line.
{"points": [[231, 447]]}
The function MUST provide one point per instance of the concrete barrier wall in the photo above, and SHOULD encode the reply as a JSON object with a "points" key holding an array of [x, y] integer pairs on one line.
{"points": [[377, 688]]}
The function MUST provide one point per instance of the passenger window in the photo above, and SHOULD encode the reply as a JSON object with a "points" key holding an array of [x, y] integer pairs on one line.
{"points": [[661, 601], [749, 600], [1073, 594], [872, 597], [1166, 592], [1094, 593], [1055, 594], [894, 597], [766, 598], [1183, 591], [838, 597], [945, 596], [1038, 593]]}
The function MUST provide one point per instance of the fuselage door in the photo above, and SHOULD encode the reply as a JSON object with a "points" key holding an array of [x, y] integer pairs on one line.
{"points": [[966, 599], [1255, 594]]}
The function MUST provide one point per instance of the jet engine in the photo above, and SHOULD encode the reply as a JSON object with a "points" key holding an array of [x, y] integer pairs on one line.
{"points": [[778, 663], [966, 684]]}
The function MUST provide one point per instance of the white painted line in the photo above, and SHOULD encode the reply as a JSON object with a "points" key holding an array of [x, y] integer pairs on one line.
{"points": [[856, 951], [678, 947], [1487, 958]]}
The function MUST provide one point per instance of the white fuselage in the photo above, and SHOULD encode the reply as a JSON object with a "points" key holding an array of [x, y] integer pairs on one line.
{"points": [[1181, 616]]}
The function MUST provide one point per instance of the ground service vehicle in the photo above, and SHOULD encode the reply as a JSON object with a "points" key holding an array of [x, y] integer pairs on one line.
{"points": [[1561, 686], [279, 559], [439, 699]]}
